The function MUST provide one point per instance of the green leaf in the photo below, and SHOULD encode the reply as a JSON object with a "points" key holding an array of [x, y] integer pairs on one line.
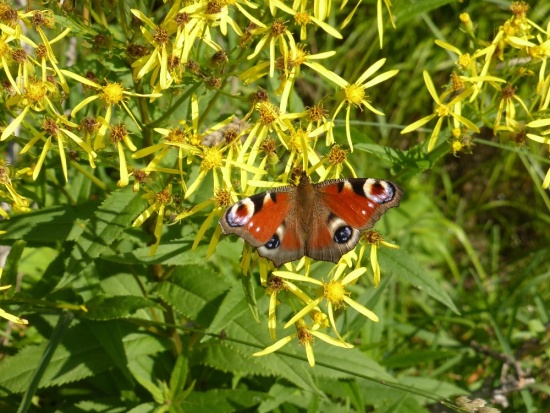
{"points": [[63, 322], [109, 335], [407, 268], [193, 291], [415, 358], [409, 162], [232, 306], [249, 293], [9, 274], [47, 226], [179, 376], [408, 12], [101, 230], [222, 400], [249, 331], [79, 356], [108, 308], [177, 252]]}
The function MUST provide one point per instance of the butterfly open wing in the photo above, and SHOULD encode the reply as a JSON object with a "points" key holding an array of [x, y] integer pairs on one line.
{"points": [[266, 222], [322, 221], [345, 208]]}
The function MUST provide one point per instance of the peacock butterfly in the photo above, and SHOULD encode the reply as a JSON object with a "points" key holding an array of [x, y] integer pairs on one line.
{"points": [[322, 221]]}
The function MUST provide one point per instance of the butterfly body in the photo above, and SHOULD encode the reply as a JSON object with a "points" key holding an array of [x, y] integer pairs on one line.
{"points": [[322, 221]]}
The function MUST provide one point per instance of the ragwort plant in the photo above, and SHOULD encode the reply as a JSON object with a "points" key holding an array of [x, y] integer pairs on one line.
{"points": [[503, 79], [187, 45]]}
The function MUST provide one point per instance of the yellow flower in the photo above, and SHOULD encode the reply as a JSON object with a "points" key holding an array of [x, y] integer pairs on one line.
{"points": [[443, 110], [165, 57], [334, 292], [269, 119], [276, 34], [374, 239], [35, 96], [173, 138], [218, 11], [19, 203], [506, 105], [111, 94], [354, 93], [120, 135], [290, 66], [302, 19], [380, 20], [306, 338], [51, 128], [274, 286], [157, 203], [544, 138]]}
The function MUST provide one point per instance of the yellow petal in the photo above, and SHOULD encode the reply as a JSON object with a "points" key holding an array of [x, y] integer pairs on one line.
{"points": [[363, 310], [274, 347]]}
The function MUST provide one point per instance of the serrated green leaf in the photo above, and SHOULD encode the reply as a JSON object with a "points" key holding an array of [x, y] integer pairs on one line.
{"points": [[177, 252], [407, 268], [222, 400], [108, 308], [109, 336], [247, 330], [77, 357], [411, 161], [99, 232], [221, 356], [194, 290], [47, 226], [233, 305]]}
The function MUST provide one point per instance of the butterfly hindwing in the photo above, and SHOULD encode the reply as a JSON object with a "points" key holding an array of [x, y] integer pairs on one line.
{"points": [[330, 238], [287, 244]]}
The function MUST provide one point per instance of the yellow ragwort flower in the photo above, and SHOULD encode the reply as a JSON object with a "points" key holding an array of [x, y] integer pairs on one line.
{"points": [[111, 94], [334, 292], [55, 132], [354, 93], [157, 203], [443, 110], [305, 336]]}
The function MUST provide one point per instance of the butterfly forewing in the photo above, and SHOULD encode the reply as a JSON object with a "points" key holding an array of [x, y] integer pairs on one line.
{"points": [[359, 202], [257, 218]]}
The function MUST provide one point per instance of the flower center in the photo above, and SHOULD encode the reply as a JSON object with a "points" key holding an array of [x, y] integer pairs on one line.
{"points": [[212, 159], [334, 292], [355, 94], [442, 110], [112, 93], [35, 92]]}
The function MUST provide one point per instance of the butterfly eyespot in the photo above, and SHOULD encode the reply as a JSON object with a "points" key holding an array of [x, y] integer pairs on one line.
{"points": [[343, 234], [240, 213], [273, 243]]}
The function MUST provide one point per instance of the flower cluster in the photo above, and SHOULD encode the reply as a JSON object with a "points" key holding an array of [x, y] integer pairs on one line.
{"points": [[494, 73], [90, 122]]}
